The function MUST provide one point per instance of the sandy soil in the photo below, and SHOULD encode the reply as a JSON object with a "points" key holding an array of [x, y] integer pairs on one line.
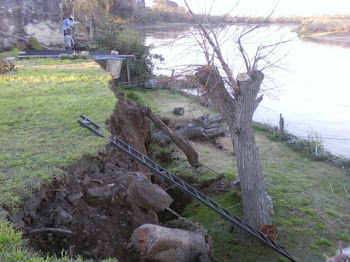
{"points": [[339, 38]]}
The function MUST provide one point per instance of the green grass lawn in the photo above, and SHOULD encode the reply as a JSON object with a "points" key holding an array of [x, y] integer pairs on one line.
{"points": [[39, 135], [310, 219]]}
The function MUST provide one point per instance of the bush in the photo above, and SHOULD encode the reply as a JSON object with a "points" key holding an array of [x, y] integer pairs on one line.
{"points": [[82, 55], [6, 66], [13, 52], [33, 44], [313, 147], [106, 36], [113, 36]]}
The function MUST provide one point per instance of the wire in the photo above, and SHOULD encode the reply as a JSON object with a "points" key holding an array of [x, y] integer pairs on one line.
{"points": [[22, 38], [209, 169], [327, 138]]}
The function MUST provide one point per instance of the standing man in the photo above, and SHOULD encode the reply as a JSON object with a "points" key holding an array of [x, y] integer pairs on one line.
{"points": [[68, 41], [67, 25]]}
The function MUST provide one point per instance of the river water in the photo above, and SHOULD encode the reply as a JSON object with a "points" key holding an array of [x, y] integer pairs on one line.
{"points": [[311, 88]]}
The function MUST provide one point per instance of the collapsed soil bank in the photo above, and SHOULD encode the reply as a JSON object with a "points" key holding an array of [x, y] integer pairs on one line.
{"points": [[95, 208], [87, 214], [91, 212]]}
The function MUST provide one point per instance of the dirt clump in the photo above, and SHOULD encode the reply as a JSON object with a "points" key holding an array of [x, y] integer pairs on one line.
{"points": [[215, 186], [93, 212]]}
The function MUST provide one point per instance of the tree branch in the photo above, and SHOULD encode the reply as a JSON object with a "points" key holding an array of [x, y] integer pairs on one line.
{"points": [[217, 51], [52, 229]]}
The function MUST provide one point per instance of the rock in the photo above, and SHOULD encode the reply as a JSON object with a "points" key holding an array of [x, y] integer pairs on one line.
{"points": [[17, 218], [204, 258], [31, 206], [74, 198], [143, 216], [237, 187], [144, 194], [156, 243], [3, 213], [218, 186], [99, 192], [179, 111], [151, 84], [61, 217], [130, 246]]}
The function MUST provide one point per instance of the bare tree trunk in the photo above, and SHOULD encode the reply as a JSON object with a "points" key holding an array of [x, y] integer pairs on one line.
{"points": [[238, 112], [68, 8], [255, 205]]}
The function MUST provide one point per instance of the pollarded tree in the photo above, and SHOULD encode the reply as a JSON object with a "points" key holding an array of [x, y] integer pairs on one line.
{"points": [[237, 99], [238, 111]]}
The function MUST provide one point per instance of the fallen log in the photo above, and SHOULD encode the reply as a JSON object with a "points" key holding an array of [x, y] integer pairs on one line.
{"points": [[156, 243], [204, 126]]}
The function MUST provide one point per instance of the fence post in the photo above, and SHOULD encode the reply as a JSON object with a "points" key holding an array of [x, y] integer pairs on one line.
{"points": [[172, 78], [128, 74], [316, 149], [281, 127]]}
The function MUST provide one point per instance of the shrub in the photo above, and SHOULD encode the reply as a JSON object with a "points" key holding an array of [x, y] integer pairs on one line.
{"points": [[106, 35], [322, 242], [33, 44], [13, 52], [114, 36], [82, 55], [6, 66], [135, 97]]}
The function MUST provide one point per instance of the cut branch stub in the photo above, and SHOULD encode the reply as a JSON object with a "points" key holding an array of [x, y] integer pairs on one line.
{"points": [[242, 77]]}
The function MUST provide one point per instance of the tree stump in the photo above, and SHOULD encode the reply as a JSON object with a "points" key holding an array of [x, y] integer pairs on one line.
{"points": [[157, 243], [179, 111]]}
